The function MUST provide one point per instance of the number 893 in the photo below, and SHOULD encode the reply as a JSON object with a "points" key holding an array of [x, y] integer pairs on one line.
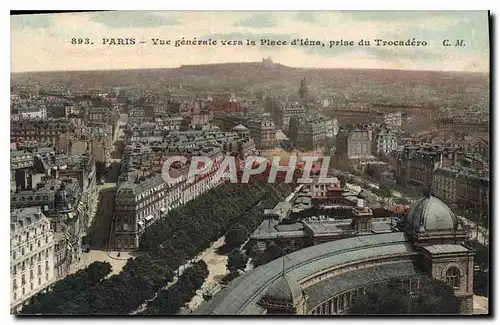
{"points": [[80, 41]]}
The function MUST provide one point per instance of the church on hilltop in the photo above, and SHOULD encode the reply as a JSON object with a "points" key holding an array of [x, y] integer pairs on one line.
{"points": [[267, 63]]}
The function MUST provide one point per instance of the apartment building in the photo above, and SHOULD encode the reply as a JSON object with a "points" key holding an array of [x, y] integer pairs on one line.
{"points": [[144, 197], [385, 141], [32, 246]]}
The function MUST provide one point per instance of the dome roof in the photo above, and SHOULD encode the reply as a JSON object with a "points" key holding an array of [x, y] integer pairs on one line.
{"points": [[284, 290], [431, 214], [239, 127]]}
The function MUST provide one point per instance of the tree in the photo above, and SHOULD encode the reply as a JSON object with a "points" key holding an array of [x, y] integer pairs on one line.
{"points": [[394, 298], [236, 236], [98, 271], [384, 191], [165, 245], [236, 261], [271, 252], [401, 200]]}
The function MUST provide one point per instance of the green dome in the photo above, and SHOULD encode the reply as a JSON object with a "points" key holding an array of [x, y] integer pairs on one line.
{"points": [[431, 214]]}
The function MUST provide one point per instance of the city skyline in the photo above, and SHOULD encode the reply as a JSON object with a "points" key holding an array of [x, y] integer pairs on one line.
{"points": [[433, 27]]}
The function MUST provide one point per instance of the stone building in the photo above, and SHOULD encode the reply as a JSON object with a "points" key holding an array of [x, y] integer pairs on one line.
{"points": [[31, 255], [327, 279], [473, 190], [29, 113], [415, 165], [39, 130], [444, 184], [309, 133], [60, 200], [263, 132], [354, 145], [393, 120], [385, 141], [286, 112], [142, 200]]}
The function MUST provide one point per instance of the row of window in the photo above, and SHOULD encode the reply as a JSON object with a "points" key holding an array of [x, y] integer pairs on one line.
{"points": [[32, 276], [30, 198], [37, 257], [31, 248], [23, 289]]}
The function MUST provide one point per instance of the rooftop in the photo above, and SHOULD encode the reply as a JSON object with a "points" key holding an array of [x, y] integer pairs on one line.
{"points": [[446, 248], [321, 291], [242, 294]]}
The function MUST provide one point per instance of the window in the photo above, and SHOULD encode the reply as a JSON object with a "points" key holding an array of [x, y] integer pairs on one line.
{"points": [[22, 251], [39, 281], [14, 255], [452, 277], [14, 283], [15, 295]]}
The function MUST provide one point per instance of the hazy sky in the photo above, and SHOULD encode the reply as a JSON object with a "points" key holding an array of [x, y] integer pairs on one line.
{"points": [[43, 42]]}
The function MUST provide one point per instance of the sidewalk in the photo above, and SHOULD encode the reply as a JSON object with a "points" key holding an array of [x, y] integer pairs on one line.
{"points": [[117, 263]]}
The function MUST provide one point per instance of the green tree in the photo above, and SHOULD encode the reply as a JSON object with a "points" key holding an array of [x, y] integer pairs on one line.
{"points": [[236, 261], [98, 271], [180, 235], [384, 191], [401, 200], [236, 236], [271, 252]]}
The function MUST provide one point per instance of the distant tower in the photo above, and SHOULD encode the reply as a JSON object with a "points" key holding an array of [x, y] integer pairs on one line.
{"points": [[303, 90]]}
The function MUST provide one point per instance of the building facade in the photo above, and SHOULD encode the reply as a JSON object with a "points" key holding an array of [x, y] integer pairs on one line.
{"points": [[444, 184], [32, 247], [385, 141], [263, 132], [415, 165], [141, 202]]}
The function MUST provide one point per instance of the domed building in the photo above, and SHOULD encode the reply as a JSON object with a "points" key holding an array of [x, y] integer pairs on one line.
{"points": [[241, 130], [327, 278], [284, 296], [430, 220]]}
